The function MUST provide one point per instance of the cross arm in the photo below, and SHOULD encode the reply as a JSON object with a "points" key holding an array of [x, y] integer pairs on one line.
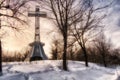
{"points": [[37, 14]]}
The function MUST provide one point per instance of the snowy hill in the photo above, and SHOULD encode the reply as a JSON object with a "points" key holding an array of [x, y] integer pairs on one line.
{"points": [[51, 70]]}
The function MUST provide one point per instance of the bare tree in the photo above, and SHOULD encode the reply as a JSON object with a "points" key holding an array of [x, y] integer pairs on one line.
{"points": [[85, 29], [0, 54], [62, 13], [13, 10], [103, 46], [55, 49]]}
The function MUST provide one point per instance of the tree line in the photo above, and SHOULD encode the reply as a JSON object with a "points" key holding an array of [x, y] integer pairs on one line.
{"points": [[77, 21], [100, 51]]}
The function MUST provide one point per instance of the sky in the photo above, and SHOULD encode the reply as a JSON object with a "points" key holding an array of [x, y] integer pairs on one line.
{"points": [[112, 23], [19, 41], [14, 41]]}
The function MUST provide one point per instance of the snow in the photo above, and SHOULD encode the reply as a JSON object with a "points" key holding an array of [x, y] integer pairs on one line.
{"points": [[52, 70]]}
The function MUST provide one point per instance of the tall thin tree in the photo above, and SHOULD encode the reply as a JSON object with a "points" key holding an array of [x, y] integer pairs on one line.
{"points": [[0, 58], [62, 12], [85, 29]]}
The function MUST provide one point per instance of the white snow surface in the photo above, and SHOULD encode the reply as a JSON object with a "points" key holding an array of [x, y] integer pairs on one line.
{"points": [[52, 70]]}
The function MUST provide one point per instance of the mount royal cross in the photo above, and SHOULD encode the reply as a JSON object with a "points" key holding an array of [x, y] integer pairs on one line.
{"points": [[37, 51]]}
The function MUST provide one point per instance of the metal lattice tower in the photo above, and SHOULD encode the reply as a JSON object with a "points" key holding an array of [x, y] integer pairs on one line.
{"points": [[37, 52]]}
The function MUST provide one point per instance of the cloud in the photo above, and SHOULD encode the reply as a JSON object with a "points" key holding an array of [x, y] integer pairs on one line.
{"points": [[117, 2], [112, 23]]}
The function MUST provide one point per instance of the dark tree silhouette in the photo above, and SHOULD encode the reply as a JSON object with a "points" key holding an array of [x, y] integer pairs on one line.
{"points": [[103, 45], [62, 13], [16, 9], [85, 29], [0, 54]]}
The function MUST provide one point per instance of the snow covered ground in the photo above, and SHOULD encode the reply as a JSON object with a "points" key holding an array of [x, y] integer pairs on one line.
{"points": [[51, 70]]}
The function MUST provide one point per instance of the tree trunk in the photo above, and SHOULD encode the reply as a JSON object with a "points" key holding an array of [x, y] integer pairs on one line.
{"points": [[86, 57], [56, 54], [104, 61], [64, 53], [0, 59]]}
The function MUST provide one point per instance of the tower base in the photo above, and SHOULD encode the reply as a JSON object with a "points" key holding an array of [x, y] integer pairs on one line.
{"points": [[37, 52], [35, 58]]}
